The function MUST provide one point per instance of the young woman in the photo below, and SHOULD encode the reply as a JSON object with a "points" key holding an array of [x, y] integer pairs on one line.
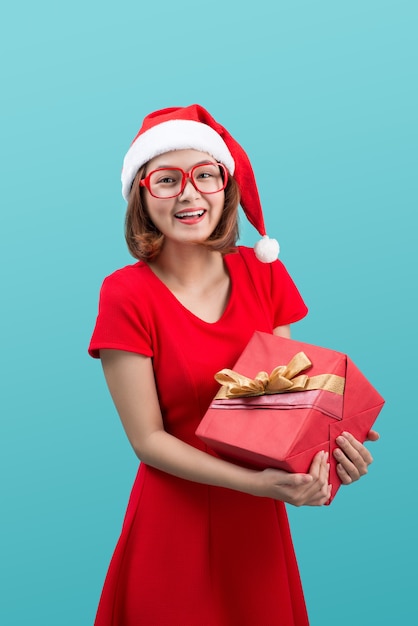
{"points": [[204, 542]]}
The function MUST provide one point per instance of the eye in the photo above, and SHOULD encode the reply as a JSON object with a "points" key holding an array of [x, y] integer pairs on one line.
{"points": [[165, 177], [206, 172]]}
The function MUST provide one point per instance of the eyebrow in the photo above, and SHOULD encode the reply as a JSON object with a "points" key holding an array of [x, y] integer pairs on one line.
{"points": [[177, 167]]}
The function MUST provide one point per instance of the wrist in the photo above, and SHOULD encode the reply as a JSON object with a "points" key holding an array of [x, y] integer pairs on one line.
{"points": [[249, 481]]}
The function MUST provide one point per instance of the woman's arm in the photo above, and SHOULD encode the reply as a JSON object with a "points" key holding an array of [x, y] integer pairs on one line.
{"points": [[282, 331], [130, 379]]}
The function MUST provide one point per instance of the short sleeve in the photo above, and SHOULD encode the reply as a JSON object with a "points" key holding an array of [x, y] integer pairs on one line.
{"points": [[275, 288], [121, 322], [288, 305]]}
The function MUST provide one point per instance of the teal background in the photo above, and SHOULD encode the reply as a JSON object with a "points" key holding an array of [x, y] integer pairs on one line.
{"points": [[323, 95]]}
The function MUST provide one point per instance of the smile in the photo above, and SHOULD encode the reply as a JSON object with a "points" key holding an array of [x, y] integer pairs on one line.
{"points": [[190, 214]]}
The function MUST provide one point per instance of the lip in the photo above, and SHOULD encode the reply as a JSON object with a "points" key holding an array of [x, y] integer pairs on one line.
{"points": [[190, 216]]}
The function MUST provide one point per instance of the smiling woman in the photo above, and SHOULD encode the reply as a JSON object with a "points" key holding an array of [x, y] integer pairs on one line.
{"points": [[204, 541]]}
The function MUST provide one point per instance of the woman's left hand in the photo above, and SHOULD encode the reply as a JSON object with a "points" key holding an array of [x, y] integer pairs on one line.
{"points": [[353, 459]]}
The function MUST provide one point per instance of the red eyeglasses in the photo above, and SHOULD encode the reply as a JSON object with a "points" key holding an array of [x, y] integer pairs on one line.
{"points": [[169, 182]]}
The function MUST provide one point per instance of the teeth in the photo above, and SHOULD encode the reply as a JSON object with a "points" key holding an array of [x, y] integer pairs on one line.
{"points": [[189, 214]]}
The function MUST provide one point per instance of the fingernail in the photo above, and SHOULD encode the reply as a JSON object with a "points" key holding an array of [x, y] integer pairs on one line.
{"points": [[340, 439]]}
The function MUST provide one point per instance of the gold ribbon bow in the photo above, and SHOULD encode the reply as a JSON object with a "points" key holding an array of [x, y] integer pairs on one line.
{"points": [[283, 379]]}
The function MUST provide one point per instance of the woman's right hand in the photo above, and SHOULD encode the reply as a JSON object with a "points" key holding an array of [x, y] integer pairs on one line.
{"points": [[311, 489]]}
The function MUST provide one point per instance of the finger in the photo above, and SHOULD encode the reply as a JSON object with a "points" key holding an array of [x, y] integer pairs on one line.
{"points": [[347, 469], [320, 496], [317, 492], [324, 476], [344, 476], [323, 470], [373, 435], [317, 463], [354, 450], [309, 489], [303, 496], [293, 480]]}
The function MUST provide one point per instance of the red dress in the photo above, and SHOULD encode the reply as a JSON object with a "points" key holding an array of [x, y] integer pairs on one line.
{"points": [[191, 554]]}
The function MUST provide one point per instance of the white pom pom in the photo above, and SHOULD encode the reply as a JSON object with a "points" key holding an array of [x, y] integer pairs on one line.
{"points": [[267, 250]]}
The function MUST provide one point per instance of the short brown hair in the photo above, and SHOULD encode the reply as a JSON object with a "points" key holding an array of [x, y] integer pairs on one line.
{"points": [[144, 240]]}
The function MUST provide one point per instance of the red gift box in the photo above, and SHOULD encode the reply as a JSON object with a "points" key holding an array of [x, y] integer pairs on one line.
{"points": [[284, 417]]}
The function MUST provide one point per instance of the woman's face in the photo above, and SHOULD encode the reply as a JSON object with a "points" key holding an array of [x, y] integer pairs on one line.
{"points": [[192, 216]]}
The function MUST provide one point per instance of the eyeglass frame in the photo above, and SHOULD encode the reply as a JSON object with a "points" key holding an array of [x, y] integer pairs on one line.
{"points": [[145, 182]]}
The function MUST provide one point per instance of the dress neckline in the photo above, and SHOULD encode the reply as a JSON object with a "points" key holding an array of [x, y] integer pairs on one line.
{"points": [[173, 297]]}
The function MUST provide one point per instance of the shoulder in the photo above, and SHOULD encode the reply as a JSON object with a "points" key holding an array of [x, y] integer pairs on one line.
{"points": [[247, 258], [127, 279], [128, 288], [127, 275], [273, 285]]}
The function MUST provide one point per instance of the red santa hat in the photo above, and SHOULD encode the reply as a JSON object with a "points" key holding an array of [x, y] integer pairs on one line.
{"points": [[193, 127]]}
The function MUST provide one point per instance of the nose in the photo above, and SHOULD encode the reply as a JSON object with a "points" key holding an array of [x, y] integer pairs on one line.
{"points": [[189, 189]]}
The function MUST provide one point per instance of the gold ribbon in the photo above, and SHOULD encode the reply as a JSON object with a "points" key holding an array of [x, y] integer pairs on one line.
{"points": [[283, 379]]}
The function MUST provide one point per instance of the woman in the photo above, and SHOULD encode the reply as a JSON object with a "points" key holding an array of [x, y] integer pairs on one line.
{"points": [[204, 542]]}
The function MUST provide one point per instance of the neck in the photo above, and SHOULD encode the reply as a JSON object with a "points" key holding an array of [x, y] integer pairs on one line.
{"points": [[186, 264]]}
